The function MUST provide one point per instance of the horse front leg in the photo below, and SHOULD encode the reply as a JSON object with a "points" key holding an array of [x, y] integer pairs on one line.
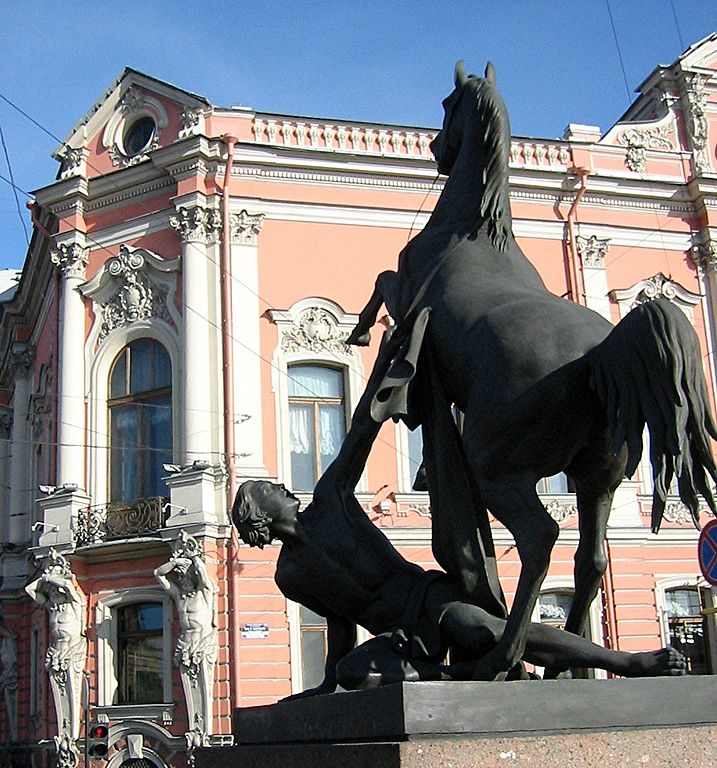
{"points": [[384, 292], [517, 506]]}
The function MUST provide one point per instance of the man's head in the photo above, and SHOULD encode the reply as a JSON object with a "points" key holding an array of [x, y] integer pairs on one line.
{"points": [[258, 504]]}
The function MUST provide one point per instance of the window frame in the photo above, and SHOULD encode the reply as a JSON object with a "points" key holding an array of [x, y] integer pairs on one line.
{"points": [[99, 365], [315, 402], [106, 625], [139, 398], [122, 647], [665, 585], [293, 617], [288, 353]]}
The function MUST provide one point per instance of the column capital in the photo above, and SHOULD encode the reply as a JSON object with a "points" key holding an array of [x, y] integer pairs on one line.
{"points": [[592, 251], [197, 224], [245, 227], [23, 356], [705, 256], [71, 259]]}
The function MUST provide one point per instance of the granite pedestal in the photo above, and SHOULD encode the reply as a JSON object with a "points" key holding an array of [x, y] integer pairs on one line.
{"points": [[650, 722]]}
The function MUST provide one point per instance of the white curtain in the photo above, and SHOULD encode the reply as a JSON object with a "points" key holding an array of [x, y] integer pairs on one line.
{"points": [[299, 437], [333, 429]]}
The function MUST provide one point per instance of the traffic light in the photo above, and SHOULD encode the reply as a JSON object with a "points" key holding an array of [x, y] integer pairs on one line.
{"points": [[98, 740]]}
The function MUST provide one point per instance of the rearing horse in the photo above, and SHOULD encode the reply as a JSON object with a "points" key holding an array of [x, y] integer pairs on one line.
{"points": [[545, 384]]}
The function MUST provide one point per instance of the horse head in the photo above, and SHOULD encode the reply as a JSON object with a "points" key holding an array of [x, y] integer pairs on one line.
{"points": [[447, 143], [475, 138]]}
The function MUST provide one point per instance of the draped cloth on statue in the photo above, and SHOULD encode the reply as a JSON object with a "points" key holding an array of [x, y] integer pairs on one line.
{"points": [[462, 542]]}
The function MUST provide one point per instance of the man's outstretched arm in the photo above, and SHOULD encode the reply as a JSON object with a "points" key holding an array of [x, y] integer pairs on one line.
{"points": [[346, 468]]}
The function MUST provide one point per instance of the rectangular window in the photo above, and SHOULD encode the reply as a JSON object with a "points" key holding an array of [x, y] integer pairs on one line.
{"points": [[140, 654], [313, 647], [317, 421], [688, 627]]}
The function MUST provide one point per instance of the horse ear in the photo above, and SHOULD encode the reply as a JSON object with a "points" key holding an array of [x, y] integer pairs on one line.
{"points": [[490, 73], [459, 74]]}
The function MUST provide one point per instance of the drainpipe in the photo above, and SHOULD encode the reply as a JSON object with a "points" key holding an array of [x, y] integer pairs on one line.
{"points": [[227, 378], [227, 348], [575, 270]]}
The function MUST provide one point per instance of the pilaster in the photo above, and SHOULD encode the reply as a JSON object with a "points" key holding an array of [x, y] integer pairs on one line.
{"points": [[246, 376], [5, 464], [199, 228], [20, 498], [71, 258], [592, 252]]}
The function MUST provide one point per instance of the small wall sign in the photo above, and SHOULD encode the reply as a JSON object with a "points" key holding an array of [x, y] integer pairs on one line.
{"points": [[254, 631]]}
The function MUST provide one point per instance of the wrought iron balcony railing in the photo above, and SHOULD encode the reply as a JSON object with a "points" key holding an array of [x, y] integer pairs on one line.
{"points": [[120, 520]]}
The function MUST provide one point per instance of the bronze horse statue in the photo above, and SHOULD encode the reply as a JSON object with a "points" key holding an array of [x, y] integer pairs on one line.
{"points": [[545, 385]]}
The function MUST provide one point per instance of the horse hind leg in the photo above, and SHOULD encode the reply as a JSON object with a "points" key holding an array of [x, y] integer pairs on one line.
{"points": [[515, 503], [384, 292], [595, 495]]}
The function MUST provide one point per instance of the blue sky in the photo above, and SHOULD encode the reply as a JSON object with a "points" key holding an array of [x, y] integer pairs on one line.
{"points": [[557, 62]]}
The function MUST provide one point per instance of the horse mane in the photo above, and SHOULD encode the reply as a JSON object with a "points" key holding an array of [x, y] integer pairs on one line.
{"points": [[494, 133]]}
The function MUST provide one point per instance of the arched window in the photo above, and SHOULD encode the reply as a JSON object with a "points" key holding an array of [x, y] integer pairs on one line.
{"points": [[140, 653], [317, 421], [140, 408]]}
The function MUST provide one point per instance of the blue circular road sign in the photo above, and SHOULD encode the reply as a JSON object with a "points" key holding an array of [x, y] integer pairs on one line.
{"points": [[707, 552]]}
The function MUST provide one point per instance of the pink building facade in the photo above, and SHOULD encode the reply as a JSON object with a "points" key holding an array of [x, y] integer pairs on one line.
{"points": [[179, 327]]}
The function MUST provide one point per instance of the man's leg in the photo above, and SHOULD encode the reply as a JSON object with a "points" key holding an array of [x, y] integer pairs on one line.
{"points": [[476, 631]]}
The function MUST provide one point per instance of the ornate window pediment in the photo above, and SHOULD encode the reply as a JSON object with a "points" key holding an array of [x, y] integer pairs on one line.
{"points": [[316, 326], [657, 286], [135, 285]]}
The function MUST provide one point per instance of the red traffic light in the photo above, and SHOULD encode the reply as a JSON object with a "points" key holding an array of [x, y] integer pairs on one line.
{"points": [[98, 740]]}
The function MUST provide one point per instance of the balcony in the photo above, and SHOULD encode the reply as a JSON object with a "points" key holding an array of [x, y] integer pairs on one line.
{"points": [[120, 520]]}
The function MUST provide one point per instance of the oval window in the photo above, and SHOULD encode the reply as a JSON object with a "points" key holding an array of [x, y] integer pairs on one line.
{"points": [[138, 136]]}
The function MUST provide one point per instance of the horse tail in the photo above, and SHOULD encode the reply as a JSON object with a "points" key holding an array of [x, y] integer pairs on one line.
{"points": [[649, 371]]}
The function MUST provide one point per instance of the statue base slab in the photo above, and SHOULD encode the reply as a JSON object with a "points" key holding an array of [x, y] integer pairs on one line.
{"points": [[662, 721]]}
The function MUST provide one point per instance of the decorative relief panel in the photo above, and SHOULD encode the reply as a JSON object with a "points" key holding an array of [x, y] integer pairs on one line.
{"points": [[192, 121], [73, 161], [316, 330], [23, 357], [639, 140], [697, 125], [677, 512], [134, 286]]}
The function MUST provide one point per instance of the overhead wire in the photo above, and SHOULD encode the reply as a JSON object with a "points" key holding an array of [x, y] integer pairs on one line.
{"points": [[12, 182], [208, 320]]}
